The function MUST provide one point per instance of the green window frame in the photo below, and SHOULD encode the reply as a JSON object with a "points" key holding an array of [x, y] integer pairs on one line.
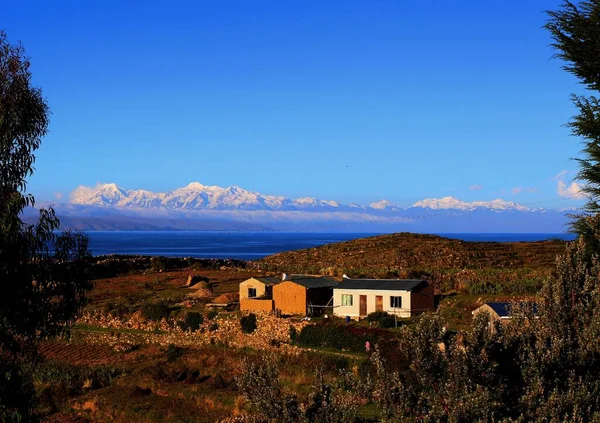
{"points": [[346, 299]]}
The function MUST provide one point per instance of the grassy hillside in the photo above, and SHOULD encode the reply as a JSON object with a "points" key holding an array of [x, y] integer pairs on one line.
{"points": [[473, 267]]}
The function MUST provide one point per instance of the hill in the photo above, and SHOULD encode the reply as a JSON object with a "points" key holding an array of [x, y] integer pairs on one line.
{"points": [[473, 267]]}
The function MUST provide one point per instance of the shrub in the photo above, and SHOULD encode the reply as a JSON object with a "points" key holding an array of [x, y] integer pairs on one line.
{"points": [[293, 334], [212, 314], [376, 316], [387, 322], [158, 264], [156, 311], [213, 327], [350, 338], [192, 321], [248, 323], [173, 352], [119, 308], [218, 382]]}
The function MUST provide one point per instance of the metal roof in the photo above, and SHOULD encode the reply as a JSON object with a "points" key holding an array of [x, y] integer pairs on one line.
{"points": [[503, 308], [311, 281], [268, 280], [380, 284]]}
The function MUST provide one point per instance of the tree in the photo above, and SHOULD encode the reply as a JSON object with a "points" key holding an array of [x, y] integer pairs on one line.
{"points": [[575, 29], [42, 274]]}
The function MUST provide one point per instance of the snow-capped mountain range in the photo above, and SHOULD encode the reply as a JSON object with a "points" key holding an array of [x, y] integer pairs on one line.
{"points": [[202, 207], [196, 196]]}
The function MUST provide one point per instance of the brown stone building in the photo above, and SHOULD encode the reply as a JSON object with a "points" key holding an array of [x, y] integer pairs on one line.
{"points": [[303, 295]]}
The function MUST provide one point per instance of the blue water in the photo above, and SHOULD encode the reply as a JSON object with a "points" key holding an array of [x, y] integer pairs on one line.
{"points": [[246, 245]]}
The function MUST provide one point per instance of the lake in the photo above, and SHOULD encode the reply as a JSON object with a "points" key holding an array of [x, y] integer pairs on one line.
{"points": [[248, 245]]}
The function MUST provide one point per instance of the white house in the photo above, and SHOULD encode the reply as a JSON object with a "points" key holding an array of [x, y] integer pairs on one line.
{"points": [[403, 297]]}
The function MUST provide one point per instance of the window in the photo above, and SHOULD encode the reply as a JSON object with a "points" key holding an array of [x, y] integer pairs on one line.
{"points": [[346, 299], [251, 292], [396, 302]]}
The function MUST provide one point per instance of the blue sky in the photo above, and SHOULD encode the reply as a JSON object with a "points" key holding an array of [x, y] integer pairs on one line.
{"points": [[346, 100]]}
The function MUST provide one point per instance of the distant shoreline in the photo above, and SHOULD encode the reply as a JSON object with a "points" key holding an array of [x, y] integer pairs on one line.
{"points": [[254, 245]]}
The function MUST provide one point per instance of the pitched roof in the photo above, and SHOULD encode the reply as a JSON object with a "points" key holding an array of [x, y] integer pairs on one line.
{"points": [[311, 281], [380, 284], [268, 280], [503, 308]]}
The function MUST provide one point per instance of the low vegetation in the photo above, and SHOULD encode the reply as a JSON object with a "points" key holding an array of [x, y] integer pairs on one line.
{"points": [[470, 267], [248, 323]]}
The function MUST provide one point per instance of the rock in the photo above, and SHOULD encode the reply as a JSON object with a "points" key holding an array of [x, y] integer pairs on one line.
{"points": [[194, 279]]}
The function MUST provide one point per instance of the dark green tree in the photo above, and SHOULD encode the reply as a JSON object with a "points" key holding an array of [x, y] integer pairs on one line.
{"points": [[42, 274], [575, 29]]}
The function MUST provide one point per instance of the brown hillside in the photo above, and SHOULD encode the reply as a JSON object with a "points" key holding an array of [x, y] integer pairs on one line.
{"points": [[403, 252]]}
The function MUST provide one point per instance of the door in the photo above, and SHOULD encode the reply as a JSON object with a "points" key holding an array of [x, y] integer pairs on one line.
{"points": [[379, 303], [363, 306]]}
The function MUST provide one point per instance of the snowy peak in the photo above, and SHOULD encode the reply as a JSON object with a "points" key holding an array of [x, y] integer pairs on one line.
{"points": [[456, 204], [102, 195], [196, 196], [383, 205]]}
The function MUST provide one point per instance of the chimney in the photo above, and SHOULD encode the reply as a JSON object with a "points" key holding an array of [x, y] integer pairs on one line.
{"points": [[283, 276], [345, 276]]}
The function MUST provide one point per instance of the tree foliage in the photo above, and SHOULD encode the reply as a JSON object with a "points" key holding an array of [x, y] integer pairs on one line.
{"points": [[42, 277], [575, 29], [260, 385]]}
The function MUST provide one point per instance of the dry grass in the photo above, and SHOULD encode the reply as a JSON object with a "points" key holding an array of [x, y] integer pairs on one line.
{"points": [[403, 252]]}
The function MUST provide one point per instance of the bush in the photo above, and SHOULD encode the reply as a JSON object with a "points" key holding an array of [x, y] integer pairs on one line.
{"points": [[158, 264], [212, 314], [213, 327], [344, 337], [293, 334], [376, 316], [192, 321], [248, 323], [387, 322], [156, 311], [119, 308], [173, 352]]}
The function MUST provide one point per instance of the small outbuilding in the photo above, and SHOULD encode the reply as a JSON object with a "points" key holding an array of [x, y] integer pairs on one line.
{"points": [[501, 311], [303, 295], [256, 294], [356, 298], [258, 287]]}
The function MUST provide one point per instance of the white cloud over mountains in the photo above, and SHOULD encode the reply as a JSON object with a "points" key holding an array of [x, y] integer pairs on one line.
{"points": [[566, 190]]}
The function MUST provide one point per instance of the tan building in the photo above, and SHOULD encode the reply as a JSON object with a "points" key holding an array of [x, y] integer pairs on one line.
{"points": [[258, 287], [357, 298], [303, 295], [256, 294]]}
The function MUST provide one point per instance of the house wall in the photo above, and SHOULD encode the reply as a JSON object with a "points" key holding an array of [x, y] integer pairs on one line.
{"points": [[256, 305], [354, 310], [422, 299], [251, 283], [290, 298]]}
